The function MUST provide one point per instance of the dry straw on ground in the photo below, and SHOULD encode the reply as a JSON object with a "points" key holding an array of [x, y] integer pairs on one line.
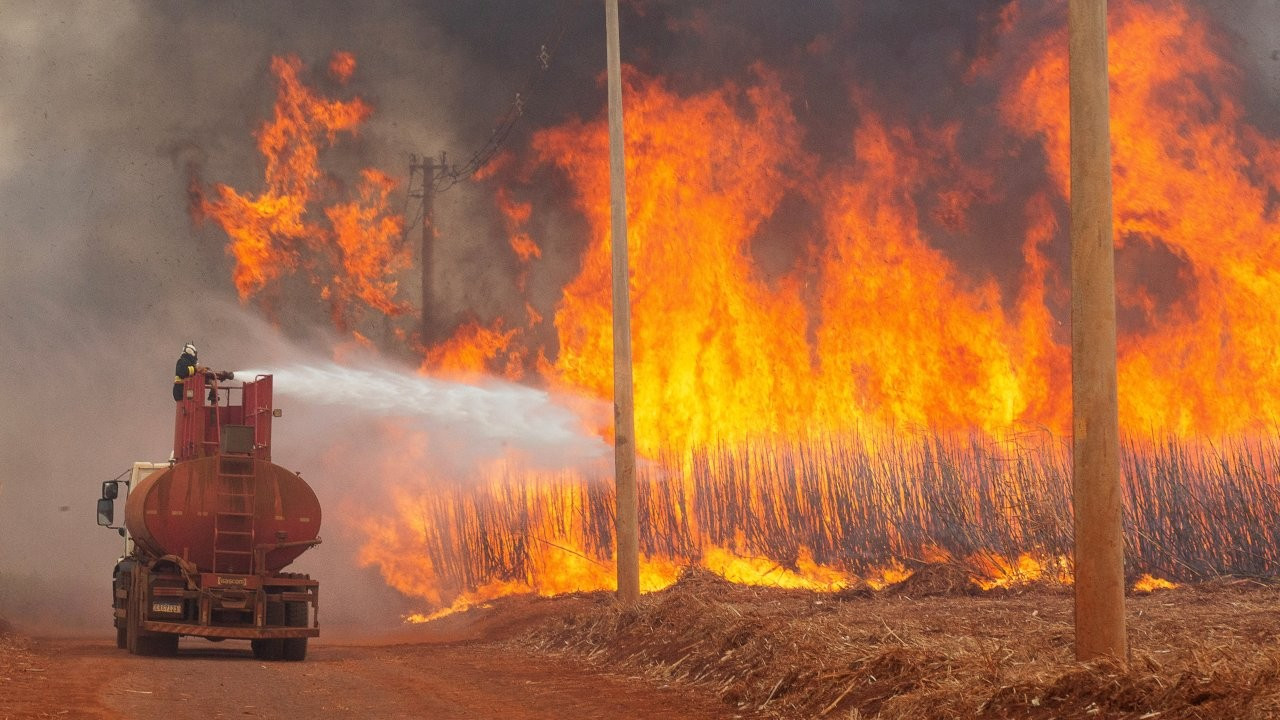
{"points": [[21, 671], [932, 649]]}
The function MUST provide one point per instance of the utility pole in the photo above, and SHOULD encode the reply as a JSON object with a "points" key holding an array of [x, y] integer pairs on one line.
{"points": [[1099, 546], [624, 423], [427, 166]]}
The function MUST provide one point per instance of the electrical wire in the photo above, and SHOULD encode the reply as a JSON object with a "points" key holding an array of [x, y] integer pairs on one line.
{"points": [[450, 176]]}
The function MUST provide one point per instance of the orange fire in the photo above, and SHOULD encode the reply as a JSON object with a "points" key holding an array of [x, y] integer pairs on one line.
{"points": [[719, 353], [351, 255], [342, 65], [1194, 183], [868, 331], [1149, 584], [723, 353], [469, 354]]}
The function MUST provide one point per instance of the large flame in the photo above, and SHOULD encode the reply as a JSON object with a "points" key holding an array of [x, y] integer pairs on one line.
{"points": [[1195, 212], [718, 352], [721, 353], [353, 254]]}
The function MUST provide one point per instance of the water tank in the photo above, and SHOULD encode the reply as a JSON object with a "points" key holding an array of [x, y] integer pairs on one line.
{"points": [[223, 506]]}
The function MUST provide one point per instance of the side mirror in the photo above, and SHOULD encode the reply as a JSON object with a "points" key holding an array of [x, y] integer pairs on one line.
{"points": [[110, 490], [106, 512]]}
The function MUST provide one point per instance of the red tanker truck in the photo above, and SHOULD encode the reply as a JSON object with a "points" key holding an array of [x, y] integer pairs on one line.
{"points": [[208, 532]]}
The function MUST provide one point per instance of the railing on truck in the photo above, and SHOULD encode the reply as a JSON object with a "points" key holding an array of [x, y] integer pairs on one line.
{"points": [[209, 410]]}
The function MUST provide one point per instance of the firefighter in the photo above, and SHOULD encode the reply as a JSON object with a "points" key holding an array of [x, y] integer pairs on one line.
{"points": [[186, 367]]}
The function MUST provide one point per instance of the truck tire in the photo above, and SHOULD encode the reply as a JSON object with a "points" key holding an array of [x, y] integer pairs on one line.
{"points": [[295, 615], [158, 644], [270, 649], [148, 644], [131, 620], [137, 640], [141, 642], [295, 649], [121, 581], [122, 631]]}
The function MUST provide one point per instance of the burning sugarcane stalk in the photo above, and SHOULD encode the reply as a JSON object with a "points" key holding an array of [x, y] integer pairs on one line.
{"points": [[846, 505]]}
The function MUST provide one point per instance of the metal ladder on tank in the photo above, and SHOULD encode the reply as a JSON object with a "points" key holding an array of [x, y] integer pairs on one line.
{"points": [[233, 516]]}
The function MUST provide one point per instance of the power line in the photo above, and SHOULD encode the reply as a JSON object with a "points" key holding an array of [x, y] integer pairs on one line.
{"points": [[448, 176], [437, 176]]}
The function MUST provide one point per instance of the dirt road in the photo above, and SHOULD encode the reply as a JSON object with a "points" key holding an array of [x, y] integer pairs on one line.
{"points": [[90, 678]]}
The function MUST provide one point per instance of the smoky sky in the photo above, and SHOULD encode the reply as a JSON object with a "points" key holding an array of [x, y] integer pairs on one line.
{"points": [[106, 108]]}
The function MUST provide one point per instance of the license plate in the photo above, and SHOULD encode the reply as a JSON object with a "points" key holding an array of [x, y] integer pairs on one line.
{"points": [[166, 607]]}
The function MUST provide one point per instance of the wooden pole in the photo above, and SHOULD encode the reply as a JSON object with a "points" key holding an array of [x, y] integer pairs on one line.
{"points": [[624, 454], [428, 168], [1099, 546]]}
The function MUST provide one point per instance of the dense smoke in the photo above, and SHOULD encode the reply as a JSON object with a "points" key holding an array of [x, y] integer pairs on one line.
{"points": [[109, 108]]}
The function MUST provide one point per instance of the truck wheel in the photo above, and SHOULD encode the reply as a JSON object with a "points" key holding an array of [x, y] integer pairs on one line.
{"points": [[270, 649], [295, 613], [139, 641], [155, 644], [132, 631], [158, 644], [122, 631], [295, 649], [267, 649]]}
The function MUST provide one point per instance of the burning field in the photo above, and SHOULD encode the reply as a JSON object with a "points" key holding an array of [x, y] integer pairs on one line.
{"points": [[851, 318], [840, 513]]}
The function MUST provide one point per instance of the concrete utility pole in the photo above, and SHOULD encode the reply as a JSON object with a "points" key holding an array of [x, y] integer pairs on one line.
{"points": [[1099, 551], [624, 423], [428, 169]]}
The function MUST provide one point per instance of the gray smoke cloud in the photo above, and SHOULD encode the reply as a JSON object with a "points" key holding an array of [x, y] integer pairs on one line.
{"points": [[1256, 28]]}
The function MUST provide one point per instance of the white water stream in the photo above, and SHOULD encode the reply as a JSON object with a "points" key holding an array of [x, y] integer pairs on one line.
{"points": [[490, 416]]}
